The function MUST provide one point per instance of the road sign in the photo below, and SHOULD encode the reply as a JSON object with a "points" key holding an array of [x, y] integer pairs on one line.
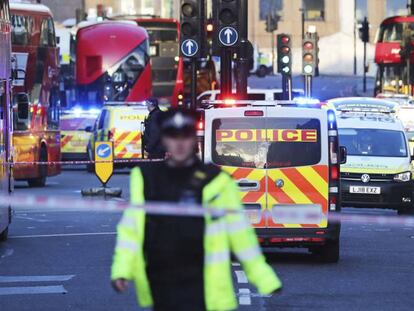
{"points": [[228, 36], [104, 157], [189, 48]]}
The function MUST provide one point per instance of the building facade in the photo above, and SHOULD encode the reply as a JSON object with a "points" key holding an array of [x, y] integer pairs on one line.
{"points": [[329, 16]]}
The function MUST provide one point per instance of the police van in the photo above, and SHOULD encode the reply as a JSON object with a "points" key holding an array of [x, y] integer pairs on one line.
{"points": [[286, 160], [378, 172], [76, 125], [122, 123]]}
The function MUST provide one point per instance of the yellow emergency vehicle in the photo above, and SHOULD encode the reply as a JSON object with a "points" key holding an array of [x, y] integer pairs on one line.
{"points": [[76, 126], [122, 123], [286, 158], [378, 173]]}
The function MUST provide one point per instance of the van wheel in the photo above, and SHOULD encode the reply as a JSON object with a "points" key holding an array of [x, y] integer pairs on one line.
{"points": [[41, 180], [4, 235], [406, 210], [328, 253]]}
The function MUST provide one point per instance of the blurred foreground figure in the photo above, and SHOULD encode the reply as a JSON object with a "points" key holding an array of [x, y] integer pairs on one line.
{"points": [[183, 263]]}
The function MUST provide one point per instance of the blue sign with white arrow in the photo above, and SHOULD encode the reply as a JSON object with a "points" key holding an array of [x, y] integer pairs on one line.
{"points": [[189, 48], [228, 36], [104, 151]]}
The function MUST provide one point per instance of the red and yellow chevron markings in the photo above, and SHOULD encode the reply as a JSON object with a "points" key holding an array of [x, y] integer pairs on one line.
{"points": [[304, 186], [127, 144]]}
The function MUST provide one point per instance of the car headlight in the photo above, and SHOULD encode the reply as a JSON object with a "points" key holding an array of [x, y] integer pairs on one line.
{"points": [[403, 177]]}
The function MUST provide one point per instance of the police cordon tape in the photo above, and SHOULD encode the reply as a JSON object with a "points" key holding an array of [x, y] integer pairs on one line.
{"points": [[85, 162], [68, 204]]}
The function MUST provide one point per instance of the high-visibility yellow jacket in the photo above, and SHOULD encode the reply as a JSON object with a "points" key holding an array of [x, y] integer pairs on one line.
{"points": [[231, 233]]}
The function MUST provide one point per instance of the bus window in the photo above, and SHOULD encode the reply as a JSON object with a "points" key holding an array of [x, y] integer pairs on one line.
{"points": [[22, 28], [47, 33]]}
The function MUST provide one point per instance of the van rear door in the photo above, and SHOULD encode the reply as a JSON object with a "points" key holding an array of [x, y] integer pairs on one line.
{"points": [[127, 127], [234, 144], [297, 167]]}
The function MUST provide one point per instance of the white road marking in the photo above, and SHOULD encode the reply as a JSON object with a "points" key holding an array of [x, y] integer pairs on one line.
{"points": [[31, 228], [7, 253], [235, 264], [245, 297], [241, 277], [36, 278], [32, 219], [32, 290], [61, 235]]}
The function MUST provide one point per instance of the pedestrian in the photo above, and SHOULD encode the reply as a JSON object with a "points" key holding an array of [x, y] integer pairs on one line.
{"points": [[183, 263], [151, 138]]}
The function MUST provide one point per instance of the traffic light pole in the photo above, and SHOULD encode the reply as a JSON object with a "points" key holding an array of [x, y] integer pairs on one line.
{"points": [[226, 72], [193, 104], [243, 57], [308, 86]]}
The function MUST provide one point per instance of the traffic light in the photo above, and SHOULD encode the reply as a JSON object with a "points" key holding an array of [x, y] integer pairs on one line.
{"points": [[227, 22], [310, 55], [192, 27], [272, 22], [364, 31], [284, 54]]}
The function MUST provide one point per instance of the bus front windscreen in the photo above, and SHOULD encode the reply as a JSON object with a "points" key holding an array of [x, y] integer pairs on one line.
{"points": [[164, 51]]}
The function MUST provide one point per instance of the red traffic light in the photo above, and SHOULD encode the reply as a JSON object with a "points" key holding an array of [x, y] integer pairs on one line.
{"points": [[308, 45], [285, 40]]}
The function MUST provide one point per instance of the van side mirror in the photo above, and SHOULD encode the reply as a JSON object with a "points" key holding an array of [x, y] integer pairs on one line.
{"points": [[343, 155], [57, 40], [412, 156], [89, 129]]}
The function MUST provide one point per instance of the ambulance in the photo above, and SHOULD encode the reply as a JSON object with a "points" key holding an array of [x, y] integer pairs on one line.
{"points": [[76, 126], [286, 158], [122, 123], [378, 173]]}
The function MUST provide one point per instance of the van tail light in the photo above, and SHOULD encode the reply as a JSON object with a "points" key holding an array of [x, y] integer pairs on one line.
{"points": [[334, 173], [334, 164], [254, 113], [200, 125], [333, 202]]}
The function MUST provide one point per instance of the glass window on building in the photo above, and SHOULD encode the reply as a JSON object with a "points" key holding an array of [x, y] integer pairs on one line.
{"points": [[314, 9], [396, 7], [147, 7], [270, 7], [128, 7], [361, 9]]}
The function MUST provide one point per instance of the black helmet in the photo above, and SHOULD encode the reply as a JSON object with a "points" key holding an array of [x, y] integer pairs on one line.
{"points": [[178, 122]]}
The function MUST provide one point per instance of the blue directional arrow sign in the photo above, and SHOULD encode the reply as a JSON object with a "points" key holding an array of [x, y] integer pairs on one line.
{"points": [[189, 48], [228, 36]]}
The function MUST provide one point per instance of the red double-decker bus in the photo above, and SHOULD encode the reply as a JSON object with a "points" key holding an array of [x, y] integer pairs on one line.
{"points": [[167, 63], [112, 63], [5, 117], [394, 74], [36, 134]]}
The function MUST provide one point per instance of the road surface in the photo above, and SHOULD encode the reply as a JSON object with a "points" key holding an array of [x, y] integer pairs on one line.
{"points": [[61, 261]]}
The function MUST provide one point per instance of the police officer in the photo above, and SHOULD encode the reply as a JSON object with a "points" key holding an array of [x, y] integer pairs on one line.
{"points": [[183, 263], [151, 138]]}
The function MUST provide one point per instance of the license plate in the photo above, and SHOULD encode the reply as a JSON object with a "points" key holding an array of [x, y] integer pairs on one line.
{"points": [[365, 190]]}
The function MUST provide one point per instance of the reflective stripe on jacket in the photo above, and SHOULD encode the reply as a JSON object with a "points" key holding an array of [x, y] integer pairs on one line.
{"points": [[231, 233]]}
